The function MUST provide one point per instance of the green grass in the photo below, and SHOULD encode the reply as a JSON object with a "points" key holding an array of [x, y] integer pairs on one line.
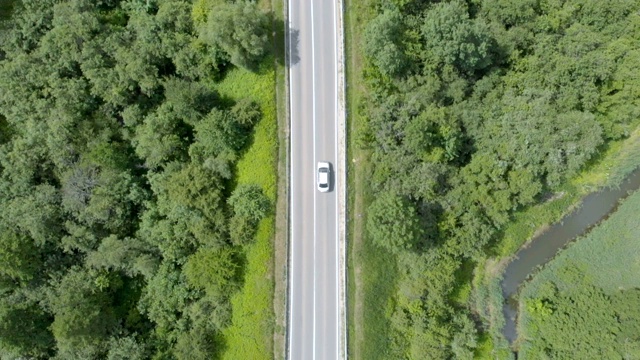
{"points": [[608, 258], [372, 272], [608, 169], [615, 163], [378, 275], [528, 222], [250, 335]]}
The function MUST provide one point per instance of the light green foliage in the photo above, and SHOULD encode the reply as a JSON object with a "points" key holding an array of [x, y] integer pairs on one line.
{"points": [[584, 302], [383, 43], [250, 206], [165, 297], [127, 255], [451, 38], [465, 340], [240, 29], [126, 348], [162, 137], [393, 223], [250, 335], [248, 201], [213, 270]]}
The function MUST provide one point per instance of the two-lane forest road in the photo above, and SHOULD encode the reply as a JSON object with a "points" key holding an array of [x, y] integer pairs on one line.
{"points": [[316, 269]]}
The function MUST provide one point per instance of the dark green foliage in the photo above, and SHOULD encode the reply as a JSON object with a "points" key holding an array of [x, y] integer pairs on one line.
{"points": [[24, 328], [83, 319], [21, 261], [115, 157], [472, 111]]}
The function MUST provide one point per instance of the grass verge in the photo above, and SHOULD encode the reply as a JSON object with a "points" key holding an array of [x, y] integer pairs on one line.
{"points": [[281, 238], [371, 272], [250, 335]]}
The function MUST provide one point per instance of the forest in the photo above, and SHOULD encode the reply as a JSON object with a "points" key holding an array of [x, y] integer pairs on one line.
{"points": [[473, 111], [123, 226]]}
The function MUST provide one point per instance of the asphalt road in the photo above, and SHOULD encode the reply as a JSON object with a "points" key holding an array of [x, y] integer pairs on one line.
{"points": [[314, 271]]}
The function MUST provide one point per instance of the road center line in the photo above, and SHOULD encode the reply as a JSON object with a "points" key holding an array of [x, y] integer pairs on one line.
{"points": [[313, 94], [335, 187]]}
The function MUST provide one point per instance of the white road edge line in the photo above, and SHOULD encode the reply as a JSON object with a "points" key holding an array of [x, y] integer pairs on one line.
{"points": [[341, 133], [315, 192], [336, 192], [291, 213]]}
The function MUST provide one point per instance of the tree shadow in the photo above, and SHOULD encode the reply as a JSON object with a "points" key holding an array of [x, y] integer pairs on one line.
{"points": [[286, 51], [220, 345], [292, 49]]}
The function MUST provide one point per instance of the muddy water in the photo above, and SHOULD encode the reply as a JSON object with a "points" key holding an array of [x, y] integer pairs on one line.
{"points": [[594, 208]]}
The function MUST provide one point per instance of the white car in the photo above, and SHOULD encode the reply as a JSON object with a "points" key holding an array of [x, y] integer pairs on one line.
{"points": [[324, 176]]}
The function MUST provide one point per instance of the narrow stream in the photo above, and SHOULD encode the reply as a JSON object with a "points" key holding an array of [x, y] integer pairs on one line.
{"points": [[594, 208]]}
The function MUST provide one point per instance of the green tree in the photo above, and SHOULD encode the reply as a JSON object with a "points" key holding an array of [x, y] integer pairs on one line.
{"points": [[126, 348], [465, 339], [162, 137], [393, 223], [249, 201], [241, 30], [191, 199], [213, 270], [383, 43], [451, 38], [19, 258], [164, 300], [24, 329], [83, 316]]}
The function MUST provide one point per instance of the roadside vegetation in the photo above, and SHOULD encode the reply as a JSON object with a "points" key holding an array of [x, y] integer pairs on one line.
{"points": [[586, 302], [137, 157], [482, 121]]}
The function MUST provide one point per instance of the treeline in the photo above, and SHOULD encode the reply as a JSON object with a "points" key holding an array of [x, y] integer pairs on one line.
{"points": [[474, 111], [121, 227]]}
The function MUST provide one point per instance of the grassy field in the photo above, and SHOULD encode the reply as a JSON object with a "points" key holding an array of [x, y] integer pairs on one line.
{"points": [[250, 335], [608, 169], [609, 256], [371, 272], [596, 268]]}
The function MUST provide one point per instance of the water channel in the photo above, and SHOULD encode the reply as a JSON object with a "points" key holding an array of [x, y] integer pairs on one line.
{"points": [[594, 208]]}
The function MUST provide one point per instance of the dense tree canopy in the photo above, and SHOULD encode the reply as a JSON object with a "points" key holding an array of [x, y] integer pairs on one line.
{"points": [[117, 159], [475, 110]]}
